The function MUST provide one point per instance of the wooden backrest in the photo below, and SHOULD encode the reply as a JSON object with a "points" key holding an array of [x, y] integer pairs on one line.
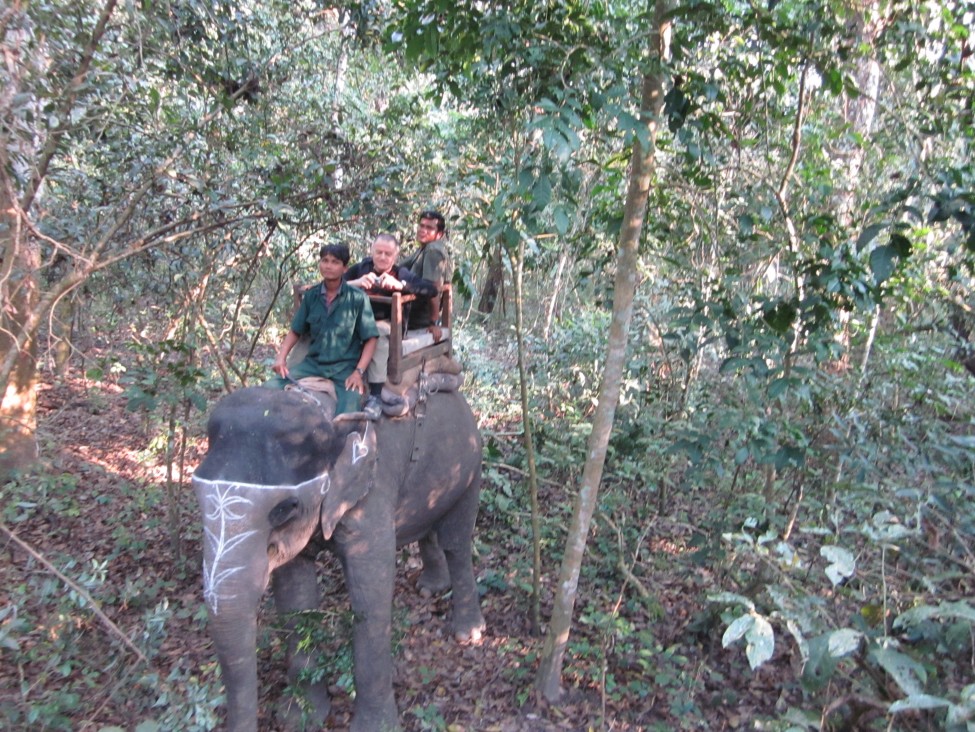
{"points": [[398, 363]]}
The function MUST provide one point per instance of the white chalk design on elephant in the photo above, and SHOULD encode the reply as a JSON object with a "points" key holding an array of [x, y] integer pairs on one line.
{"points": [[360, 448], [223, 502], [225, 505]]}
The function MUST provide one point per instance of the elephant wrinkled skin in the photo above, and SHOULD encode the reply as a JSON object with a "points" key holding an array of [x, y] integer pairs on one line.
{"points": [[280, 477]]}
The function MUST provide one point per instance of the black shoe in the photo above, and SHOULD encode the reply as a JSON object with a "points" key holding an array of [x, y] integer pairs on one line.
{"points": [[373, 408]]}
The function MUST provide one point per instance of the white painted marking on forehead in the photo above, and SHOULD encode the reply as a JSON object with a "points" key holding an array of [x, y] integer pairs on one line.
{"points": [[216, 484], [223, 511]]}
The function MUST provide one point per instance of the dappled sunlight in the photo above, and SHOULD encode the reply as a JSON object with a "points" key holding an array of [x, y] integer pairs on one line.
{"points": [[112, 433], [666, 546], [17, 401], [96, 508]]}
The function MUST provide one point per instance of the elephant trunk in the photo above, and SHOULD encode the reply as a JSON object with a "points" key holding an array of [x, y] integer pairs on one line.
{"points": [[235, 637], [235, 574]]}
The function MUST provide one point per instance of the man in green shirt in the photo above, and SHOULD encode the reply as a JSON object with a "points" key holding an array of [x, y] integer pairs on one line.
{"points": [[343, 333]]}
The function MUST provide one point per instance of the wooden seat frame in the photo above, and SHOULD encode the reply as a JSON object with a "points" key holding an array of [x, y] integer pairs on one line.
{"points": [[398, 363]]}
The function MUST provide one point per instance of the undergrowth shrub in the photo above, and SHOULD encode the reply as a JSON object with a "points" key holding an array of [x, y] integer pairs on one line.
{"points": [[855, 549], [832, 507], [62, 667]]}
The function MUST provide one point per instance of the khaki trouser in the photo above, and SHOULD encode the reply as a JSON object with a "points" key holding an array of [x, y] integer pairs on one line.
{"points": [[376, 373]]}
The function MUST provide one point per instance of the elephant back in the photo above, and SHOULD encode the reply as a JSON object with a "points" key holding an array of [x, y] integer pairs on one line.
{"points": [[436, 456]]}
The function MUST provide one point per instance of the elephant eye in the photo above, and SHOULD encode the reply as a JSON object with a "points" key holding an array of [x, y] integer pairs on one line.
{"points": [[283, 512]]}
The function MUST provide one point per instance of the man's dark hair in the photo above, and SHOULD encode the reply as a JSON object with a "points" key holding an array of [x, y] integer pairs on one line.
{"points": [[436, 216], [339, 251]]}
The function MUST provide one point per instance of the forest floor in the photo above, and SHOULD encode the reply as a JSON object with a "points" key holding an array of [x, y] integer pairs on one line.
{"points": [[114, 515]]}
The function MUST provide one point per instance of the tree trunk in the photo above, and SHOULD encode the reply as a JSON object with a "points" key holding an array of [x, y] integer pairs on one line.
{"points": [[552, 310], [19, 294], [527, 438], [848, 161], [62, 333], [548, 680], [493, 283]]}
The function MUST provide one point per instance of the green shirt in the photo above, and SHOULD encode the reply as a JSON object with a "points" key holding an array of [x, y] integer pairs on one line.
{"points": [[337, 334]]}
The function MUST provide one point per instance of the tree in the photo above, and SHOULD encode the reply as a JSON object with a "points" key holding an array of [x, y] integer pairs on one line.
{"points": [[194, 152], [27, 152], [548, 679], [18, 293]]}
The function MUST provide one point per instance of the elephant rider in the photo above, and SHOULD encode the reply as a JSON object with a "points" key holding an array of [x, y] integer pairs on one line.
{"points": [[430, 262], [378, 274], [343, 333]]}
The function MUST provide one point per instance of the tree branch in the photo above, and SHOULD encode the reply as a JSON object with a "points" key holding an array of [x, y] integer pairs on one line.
{"points": [[113, 629], [782, 193], [64, 113]]}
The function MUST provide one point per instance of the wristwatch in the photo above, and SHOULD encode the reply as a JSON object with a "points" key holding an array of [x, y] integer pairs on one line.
{"points": [[360, 371]]}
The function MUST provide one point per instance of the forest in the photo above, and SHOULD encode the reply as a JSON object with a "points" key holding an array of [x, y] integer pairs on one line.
{"points": [[712, 297]]}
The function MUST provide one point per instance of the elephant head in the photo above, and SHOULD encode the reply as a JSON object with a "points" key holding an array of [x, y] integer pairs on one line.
{"points": [[277, 469]]}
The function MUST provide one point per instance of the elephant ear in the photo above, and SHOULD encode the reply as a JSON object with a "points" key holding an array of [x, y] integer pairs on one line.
{"points": [[354, 471]]}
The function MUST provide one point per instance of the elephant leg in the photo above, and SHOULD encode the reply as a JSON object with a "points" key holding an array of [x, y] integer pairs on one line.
{"points": [[370, 567], [295, 588], [454, 533], [435, 577]]}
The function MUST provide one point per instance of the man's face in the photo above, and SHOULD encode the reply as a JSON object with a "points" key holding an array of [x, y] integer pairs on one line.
{"points": [[426, 231], [383, 255], [331, 267]]}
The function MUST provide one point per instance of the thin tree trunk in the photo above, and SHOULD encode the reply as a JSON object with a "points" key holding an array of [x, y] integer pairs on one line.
{"points": [[871, 336], [172, 488], [556, 291], [519, 270], [859, 115], [62, 323], [549, 677], [782, 196]]}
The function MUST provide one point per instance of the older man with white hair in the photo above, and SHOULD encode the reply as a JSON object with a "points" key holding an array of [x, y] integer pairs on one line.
{"points": [[378, 274]]}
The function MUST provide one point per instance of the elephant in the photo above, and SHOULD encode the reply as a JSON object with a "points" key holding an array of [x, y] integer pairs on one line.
{"points": [[282, 479]]}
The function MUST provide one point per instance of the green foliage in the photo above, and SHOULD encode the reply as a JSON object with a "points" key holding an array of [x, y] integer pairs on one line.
{"points": [[469, 50], [39, 495], [762, 429], [188, 701], [164, 373], [326, 629], [613, 654], [829, 587], [429, 717], [49, 634]]}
